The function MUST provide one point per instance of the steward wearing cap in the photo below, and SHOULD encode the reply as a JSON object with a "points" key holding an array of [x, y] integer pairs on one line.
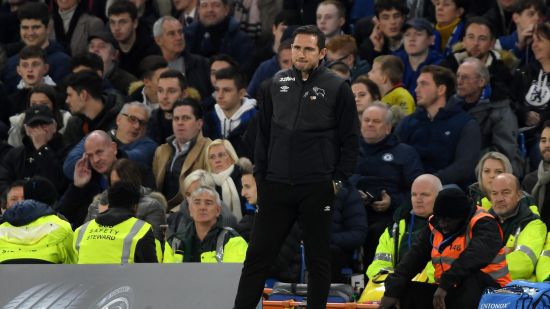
{"points": [[41, 154], [116, 236], [417, 52], [32, 233], [524, 232], [464, 243]]}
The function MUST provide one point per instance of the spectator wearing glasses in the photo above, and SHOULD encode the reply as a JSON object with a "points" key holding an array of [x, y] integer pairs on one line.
{"points": [[131, 125]]}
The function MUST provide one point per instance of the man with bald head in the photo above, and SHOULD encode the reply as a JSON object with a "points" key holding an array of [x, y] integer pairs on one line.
{"points": [[524, 232], [90, 176], [497, 121], [409, 222]]}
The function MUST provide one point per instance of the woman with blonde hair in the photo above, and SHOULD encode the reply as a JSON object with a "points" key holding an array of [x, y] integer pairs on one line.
{"points": [[221, 161], [180, 216], [489, 166]]}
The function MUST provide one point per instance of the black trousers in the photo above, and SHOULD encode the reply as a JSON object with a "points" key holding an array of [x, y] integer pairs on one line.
{"points": [[466, 296], [280, 205]]}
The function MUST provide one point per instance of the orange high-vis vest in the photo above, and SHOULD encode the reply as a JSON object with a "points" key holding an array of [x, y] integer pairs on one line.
{"points": [[442, 262]]}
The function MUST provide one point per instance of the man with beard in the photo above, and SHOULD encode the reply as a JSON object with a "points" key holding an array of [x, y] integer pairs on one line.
{"points": [[537, 182]]}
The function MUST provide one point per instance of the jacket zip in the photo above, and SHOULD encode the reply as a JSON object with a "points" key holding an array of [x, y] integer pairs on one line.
{"points": [[294, 128]]}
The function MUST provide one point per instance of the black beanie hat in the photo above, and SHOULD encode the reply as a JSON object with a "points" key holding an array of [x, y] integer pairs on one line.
{"points": [[123, 194], [451, 202], [40, 189]]}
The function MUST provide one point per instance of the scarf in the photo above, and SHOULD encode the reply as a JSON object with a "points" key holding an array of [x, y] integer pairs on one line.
{"points": [[539, 190], [229, 191]]}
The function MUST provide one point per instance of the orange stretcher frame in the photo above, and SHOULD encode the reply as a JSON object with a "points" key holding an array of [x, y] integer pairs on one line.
{"points": [[271, 304], [285, 304]]}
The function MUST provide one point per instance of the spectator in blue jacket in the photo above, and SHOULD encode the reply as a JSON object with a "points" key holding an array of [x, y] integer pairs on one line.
{"points": [[447, 139], [217, 31], [34, 18], [419, 51], [233, 111], [129, 135], [268, 68], [386, 169]]}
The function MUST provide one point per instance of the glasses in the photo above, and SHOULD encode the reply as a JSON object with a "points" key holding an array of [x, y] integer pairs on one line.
{"points": [[220, 155], [134, 120]]}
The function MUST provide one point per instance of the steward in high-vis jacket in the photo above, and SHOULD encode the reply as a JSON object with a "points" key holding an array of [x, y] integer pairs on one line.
{"points": [[524, 232], [116, 236], [205, 239], [543, 264], [464, 243], [396, 240], [31, 232]]}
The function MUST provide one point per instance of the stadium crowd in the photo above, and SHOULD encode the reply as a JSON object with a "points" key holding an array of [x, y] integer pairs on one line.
{"points": [[132, 125]]}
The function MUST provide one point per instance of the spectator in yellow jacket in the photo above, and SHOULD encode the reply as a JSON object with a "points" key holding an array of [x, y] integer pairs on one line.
{"points": [[524, 232]]}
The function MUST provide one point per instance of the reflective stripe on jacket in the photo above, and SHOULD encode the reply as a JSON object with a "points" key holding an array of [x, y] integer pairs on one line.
{"points": [[48, 238], [385, 258], [543, 264], [97, 244], [442, 261]]}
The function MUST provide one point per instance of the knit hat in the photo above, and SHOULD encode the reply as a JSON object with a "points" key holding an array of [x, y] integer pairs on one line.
{"points": [[123, 194], [451, 202], [40, 189]]}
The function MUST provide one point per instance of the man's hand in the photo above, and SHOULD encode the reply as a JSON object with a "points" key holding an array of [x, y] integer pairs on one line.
{"points": [[377, 37], [439, 298], [533, 118], [41, 134], [82, 172], [383, 204], [388, 302], [525, 37]]}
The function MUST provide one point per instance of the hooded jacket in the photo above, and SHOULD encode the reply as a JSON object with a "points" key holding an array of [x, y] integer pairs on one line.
{"points": [[146, 249], [218, 125], [55, 56], [524, 236], [409, 74], [151, 209], [449, 144], [387, 165], [187, 244], [33, 233]]}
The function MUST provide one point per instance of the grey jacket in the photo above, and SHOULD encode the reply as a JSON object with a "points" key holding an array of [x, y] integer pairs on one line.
{"points": [[499, 130], [151, 209]]}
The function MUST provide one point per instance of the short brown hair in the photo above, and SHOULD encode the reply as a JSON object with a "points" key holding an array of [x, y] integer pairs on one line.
{"points": [[392, 66], [344, 42], [442, 76]]}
